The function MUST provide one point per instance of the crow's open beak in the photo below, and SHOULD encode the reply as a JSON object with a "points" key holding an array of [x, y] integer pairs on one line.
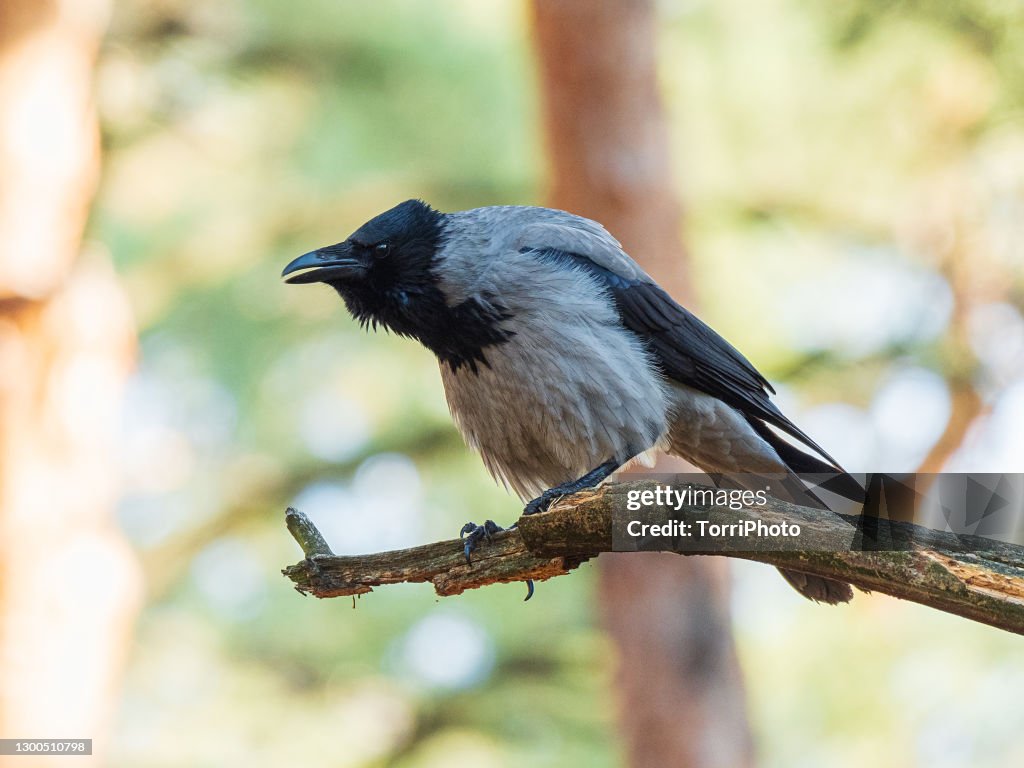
{"points": [[335, 262]]}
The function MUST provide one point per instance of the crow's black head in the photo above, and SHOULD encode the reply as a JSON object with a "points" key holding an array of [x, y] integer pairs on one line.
{"points": [[385, 272], [383, 267]]}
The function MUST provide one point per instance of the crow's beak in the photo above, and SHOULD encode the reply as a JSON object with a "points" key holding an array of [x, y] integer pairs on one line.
{"points": [[335, 262]]}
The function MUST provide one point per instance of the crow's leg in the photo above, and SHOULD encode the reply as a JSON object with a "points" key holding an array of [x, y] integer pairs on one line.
{"points": [[589, 480], [472, 534]]}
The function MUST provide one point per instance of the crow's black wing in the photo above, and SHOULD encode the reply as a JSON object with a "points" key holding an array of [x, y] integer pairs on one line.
{"points": [[686, 349]]}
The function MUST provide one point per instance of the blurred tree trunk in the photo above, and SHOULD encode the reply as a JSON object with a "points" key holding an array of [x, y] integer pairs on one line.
{"points": [[69, 585], [681, 698]]}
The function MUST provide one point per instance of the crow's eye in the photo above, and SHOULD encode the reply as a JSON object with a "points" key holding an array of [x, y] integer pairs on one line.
{"points": [[380, 250]]}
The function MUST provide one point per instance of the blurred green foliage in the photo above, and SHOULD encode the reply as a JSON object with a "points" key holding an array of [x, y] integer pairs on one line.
{"points": [[809, 139]]}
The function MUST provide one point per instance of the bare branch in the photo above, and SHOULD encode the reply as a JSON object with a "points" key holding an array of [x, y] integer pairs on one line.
{"points": [[977, 578]]}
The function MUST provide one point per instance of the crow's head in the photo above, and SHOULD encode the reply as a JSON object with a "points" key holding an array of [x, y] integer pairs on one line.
{"points": [[383, 270], [387, 273]]}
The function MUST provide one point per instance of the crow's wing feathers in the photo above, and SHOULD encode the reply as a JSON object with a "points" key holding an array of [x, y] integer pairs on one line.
{"points": [[576, 235], [686, 349]]}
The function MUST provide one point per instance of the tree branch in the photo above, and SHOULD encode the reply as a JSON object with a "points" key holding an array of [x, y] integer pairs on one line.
{"points": [[974, 577]]}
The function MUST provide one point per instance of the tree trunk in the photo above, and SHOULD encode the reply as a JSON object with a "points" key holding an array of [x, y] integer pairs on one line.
{"points": [[680, 691], [69, 585]]}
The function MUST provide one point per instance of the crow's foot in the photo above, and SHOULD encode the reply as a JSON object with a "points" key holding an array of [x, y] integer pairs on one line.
{"points": [[472, 534], [589, 480], [542, 502]]}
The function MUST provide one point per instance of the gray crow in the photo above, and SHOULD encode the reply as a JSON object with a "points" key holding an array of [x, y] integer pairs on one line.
{"points": [[561, 358]]}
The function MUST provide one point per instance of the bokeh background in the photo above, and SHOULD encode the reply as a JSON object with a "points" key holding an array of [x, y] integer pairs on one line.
{"points": [[852, 181]]}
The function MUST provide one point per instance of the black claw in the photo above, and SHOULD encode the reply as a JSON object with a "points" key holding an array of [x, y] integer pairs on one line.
{"points": [[541, 503], [589, 480], [473, 533]]}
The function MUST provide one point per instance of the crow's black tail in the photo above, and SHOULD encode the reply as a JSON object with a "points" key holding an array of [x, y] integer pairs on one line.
{"points": [[816, 588]]}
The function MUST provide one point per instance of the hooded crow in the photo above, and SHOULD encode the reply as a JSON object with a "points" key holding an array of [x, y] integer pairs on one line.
{"points": [[562, 360]]}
